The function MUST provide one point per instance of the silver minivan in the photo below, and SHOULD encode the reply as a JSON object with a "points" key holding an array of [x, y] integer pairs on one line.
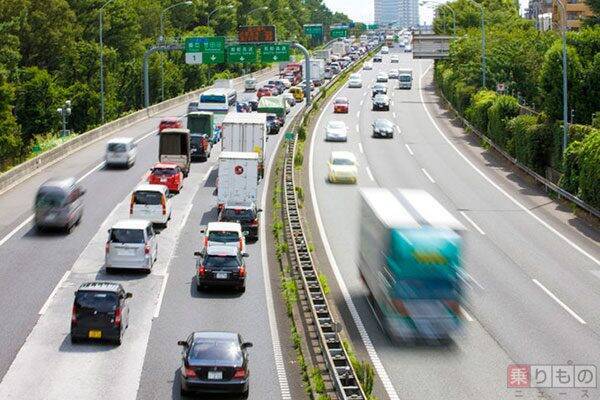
{"points": [[58, 204], [131, 244], [120, 152]]}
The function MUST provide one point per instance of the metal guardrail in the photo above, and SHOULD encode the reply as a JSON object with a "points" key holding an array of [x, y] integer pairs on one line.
{"points": [[561, 193], [336, 358]]}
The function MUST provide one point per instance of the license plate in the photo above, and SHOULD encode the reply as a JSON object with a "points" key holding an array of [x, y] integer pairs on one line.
{"points": [[126, 252], [50, 217], [215, 375], [94, 334], [163, 179], [221, 275]]}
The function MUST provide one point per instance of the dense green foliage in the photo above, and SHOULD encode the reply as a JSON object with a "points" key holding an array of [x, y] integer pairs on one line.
{"points": [[49, 52], [529, 64]]}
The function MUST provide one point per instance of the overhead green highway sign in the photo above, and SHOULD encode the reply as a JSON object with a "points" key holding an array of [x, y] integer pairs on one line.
{"points": [[338, 31], [275, 52], [205, 50], [372, 26], [313, 30], [241, 53]]}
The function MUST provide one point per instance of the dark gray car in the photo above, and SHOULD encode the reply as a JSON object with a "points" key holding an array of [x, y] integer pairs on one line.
{"points": [[58, 204], [383, 128]]}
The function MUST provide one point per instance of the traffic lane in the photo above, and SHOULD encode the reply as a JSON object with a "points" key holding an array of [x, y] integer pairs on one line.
{"points": [[109, 371], [217, 309]]}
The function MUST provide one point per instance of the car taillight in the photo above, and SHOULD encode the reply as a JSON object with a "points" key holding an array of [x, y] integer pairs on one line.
{"points": [[241, 244], [74, 315], [401, 308], [205, 241], [118, 316], [163, 203], [201, 270], [107, 247], [131, 204], [254, 222], [453, 306], [240, 373], [147, 249], [190, 373], [242, 270]]}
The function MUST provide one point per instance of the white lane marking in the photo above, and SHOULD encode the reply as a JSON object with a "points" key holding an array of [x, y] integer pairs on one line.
{"points": [[369, 173], [495, 185], [58, 286], [205, 177], [472, 223], [409, 149], [362, 101], [357, 128], [563, 305], [91, 171], [161, 294], [466, 314], [284, 386], [358, 114], [364, 335], [427, 175], [394, 114], [136, 141], [17, 229], [360, 147]]}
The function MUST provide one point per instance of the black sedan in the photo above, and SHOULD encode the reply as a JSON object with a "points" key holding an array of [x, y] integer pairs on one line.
{"points": [[273, 125], [381, 102], [383, 128], [215, 362], [221, 265], [378, 88]]}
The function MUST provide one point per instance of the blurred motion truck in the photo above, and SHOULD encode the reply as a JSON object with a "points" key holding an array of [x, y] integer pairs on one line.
{"points": [[340, 48], [410, 260], [317, 71], [238, 178], [246, 132], [323, 54], [174, 147]]}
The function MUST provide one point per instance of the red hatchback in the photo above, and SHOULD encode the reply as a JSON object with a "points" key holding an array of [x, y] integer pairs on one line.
{"points": [[340, 105], [168, 174], [263, 91], [169, 122]]}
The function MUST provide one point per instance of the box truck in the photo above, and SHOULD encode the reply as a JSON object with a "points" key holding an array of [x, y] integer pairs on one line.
{"points": [[317, 71], [246, 132], [238, 178]]}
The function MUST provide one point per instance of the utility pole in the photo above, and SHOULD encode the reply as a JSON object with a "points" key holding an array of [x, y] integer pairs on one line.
{"points": [[64, 112]]}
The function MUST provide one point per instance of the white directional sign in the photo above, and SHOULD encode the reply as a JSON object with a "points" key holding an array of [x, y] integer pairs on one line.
{"points": [[193, 58]]}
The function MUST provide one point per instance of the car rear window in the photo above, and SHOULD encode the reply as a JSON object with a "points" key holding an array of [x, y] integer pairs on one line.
{"points": [[98, 301], [52, 198], [223, 236], [117, 147], [221, 261], [216, 351], [341, 101], [238, 214], [147, 197], [164, 171], [342, 161], [127, 236]]}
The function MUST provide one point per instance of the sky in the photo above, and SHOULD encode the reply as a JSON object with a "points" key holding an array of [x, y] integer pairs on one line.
{"points": [[362, 10]]}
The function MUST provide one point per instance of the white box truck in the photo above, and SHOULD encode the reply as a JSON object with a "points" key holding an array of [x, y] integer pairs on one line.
{"points": [[339, 48], [238, 178], [405, 78], [246, 132], [317, 71], [323, 54]]}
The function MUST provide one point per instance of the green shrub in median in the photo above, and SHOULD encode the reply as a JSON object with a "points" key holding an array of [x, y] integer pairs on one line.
{"points": [[569, 181], [589, 176], [531, 144], [477, 112], [502, 110], [462, 95]]}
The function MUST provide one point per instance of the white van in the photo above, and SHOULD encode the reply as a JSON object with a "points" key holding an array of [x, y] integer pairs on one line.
{"points": [[224, 233], [152, 203], [250, 84], [131, 244], [120, 151]]}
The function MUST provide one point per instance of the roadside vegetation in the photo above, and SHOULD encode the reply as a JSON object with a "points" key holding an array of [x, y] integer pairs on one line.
{"points": [[49, 52], [526, 118]]}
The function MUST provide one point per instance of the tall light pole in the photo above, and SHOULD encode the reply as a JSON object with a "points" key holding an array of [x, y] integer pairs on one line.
{"points": [[64, 112], [563, 28], [483, 68], [229, 6], [162, 40], [449, 8], [102, 64]]}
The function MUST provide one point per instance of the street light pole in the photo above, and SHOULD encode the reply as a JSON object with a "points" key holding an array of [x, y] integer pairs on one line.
{"points": [[483, 60], [162, 40], [102, 63], [563, 28], [451, 10], [256, 9], [229, 6], [64, 112]]}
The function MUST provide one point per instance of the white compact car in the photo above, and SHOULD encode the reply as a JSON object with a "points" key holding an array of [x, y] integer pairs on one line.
{"points": [[152, 203], [368, 65], [355, 81], [131, 244], [336, 131], [382, 77], [394, 59], [225, 233], [342, 167], [120, 151]]}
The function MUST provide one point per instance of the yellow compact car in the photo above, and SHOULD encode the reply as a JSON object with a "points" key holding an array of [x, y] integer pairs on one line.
{"points": [[342, 167], [297, 93]]}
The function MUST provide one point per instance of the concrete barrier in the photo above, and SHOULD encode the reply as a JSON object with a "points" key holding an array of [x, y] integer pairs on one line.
{"points": [[27, 169]]}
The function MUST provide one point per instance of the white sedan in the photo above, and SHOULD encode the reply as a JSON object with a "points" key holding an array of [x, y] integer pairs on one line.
{"points": [[394, 59], [368, 65], [355, 81], [336, 131], [342, 167], [382, 77]]}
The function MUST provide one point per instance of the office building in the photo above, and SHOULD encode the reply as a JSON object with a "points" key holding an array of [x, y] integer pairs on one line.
{"points": [[401, 13]]}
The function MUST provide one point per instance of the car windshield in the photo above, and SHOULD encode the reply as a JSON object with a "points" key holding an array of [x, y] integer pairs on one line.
{"points": [[147, 197], [164, 171], [215, 350], [355, 76], [383, 124], [49, 199], [238, 214], [98, 301], [223, 236], [336, 125], [117, 147], [342, 161], [127, 235], [221, 261], [425, 289], [405, 78], [341, 101], [380, 97]]}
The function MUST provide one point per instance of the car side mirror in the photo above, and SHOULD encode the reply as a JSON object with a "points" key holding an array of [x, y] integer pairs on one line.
{"points": [[246, 345], [182, 343], [82, 192], [246, 255], [108, 230], [197, 254], [259, 210], [128, 295]]}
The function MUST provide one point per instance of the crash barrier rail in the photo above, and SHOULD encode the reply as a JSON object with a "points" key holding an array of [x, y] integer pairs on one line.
{"points": [[25, 170], [344, 377], [548, 185]]}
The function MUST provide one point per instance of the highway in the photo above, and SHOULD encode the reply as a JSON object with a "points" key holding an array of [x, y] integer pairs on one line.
{"points": [[533, 271], [40, 272]]}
